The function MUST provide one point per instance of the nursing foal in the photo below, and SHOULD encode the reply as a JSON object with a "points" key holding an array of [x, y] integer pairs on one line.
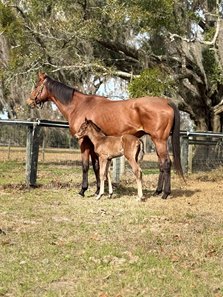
{"points": [[109, 147]]}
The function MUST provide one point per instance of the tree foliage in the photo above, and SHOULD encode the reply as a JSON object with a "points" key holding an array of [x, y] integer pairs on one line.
{"points": [[163, 47], [153, 82]]}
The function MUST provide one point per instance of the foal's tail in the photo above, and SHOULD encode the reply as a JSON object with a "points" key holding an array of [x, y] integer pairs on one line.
{"points": [[140, 152], [176, 140]]}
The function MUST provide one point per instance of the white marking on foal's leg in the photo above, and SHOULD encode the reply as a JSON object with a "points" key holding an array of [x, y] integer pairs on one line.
{"points": [[110, 190], [139, 186], [102, 177], [101, 189]]}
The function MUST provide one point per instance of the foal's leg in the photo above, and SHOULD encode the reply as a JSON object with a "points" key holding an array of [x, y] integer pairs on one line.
{"points": [[103, 166], [138, 174], [110, 190]]}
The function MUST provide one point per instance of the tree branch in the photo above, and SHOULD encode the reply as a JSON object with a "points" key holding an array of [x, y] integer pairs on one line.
{"points": [[105, 71], [218, 108], [213, 41], [121, 48]]}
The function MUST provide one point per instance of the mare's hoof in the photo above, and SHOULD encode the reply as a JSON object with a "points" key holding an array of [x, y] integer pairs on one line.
{"points": [[165, 196], [81, 193], [157, 193]]}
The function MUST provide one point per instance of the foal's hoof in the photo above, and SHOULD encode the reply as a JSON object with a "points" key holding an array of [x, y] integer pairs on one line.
{"points": [[110, 196], [98, 197]]}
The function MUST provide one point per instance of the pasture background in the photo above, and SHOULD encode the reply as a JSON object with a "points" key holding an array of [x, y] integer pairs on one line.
{"points": [[55, 243]]}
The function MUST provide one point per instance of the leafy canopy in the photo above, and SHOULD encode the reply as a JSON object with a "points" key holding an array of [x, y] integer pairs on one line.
{"points": [[153, 82]]}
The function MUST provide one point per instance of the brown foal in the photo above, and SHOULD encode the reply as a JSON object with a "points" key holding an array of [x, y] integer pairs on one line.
{"points": [[109, 147]]}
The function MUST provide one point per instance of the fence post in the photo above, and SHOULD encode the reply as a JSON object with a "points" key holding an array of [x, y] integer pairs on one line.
{"points": [[184, 153], [116, 166], [9, 149], [43, 149], [32, 151], [190, 156]]}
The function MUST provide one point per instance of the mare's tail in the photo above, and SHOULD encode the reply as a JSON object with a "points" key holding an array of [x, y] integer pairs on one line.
{"points": [[176, 140], [140, 152]]}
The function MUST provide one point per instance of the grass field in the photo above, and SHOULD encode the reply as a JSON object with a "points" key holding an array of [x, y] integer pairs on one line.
{"points": [[55, 243]]}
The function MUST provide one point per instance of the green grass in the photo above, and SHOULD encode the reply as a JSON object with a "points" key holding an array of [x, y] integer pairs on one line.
{"points": [[150, 171], [55, 243]]}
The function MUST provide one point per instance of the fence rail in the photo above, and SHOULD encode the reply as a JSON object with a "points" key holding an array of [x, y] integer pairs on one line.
{"points": [[189, 140], [36, 122]]}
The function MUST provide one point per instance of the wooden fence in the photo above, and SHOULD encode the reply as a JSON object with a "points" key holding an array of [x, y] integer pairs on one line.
{"points": [[207, 147], [188, 141]]}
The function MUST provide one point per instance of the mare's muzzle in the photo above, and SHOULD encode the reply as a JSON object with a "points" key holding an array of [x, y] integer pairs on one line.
{"points": [[33, 101]]}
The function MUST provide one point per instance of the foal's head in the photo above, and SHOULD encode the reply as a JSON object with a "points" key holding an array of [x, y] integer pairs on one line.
{"points": [[87, 128]]}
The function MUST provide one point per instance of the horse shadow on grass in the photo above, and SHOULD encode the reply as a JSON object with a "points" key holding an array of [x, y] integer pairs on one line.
{"points": [[126, 190], [181, 193], [120, 190]]}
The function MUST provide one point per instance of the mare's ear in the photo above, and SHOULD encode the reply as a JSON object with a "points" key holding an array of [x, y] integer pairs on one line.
{"points": [[42, 75]]}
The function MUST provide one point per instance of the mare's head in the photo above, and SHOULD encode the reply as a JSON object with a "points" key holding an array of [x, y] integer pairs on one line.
{"points": [[49, 89], [39, 94], [86, 128]]}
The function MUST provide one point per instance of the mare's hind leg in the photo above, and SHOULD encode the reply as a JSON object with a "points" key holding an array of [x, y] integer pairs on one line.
{"points": [[167, 176], [159, 188], [165, 169]]}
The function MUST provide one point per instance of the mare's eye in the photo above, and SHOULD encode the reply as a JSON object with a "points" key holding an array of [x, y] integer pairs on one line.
{"points": [[36, 84]]}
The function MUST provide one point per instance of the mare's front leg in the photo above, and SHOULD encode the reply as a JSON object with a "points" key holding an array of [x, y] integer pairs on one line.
{"points": [[96, 168], [85, 153]]}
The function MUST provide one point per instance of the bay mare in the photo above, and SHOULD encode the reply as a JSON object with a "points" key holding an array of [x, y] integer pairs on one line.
{"points": [[109, 147], [158, 117]]}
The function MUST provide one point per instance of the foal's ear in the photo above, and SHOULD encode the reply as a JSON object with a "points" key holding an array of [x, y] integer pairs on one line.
{"points": [[86, 120]]}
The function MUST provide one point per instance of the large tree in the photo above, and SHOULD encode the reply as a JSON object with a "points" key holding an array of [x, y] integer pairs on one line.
{"points": [[162, 47]]}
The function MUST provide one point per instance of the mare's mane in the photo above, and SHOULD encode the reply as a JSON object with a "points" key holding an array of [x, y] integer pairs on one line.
{"points": [[61, 91]]}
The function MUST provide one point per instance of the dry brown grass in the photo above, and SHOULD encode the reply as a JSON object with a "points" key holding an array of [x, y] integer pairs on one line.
{"points": [[51, 154], [47, 155], [55, 243]]}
